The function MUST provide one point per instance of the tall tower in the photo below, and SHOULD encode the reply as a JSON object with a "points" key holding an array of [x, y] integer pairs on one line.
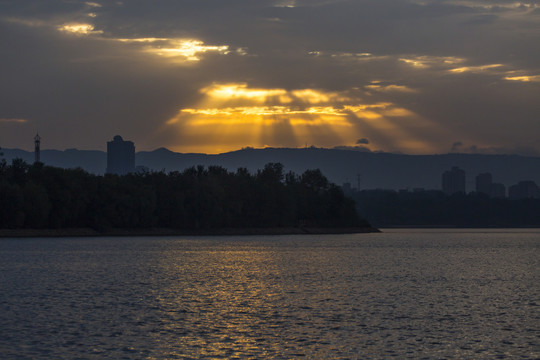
{"points": [[37, 143]]}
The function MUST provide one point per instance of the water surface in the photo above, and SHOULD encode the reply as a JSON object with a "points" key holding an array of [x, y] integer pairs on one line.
{"points": [[400, 294]]}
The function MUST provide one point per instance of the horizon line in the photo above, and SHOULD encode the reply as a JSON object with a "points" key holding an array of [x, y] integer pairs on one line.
{"points": [[247, 148]]}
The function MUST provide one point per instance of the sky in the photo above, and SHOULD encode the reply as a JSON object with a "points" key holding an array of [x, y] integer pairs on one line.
{"points": [[211, 76]]}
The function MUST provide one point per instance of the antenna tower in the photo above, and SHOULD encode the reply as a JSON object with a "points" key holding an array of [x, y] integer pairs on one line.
{"points": [[37, 143]]}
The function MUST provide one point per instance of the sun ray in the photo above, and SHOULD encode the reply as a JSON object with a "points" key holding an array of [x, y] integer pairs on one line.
{"points": [[233, 115]]}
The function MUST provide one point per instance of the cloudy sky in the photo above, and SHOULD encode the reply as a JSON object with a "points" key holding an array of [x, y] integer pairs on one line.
{"points": [[409, 76]]}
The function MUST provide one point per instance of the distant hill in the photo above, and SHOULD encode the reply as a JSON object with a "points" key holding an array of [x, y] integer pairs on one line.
{"points": [[93, 161], [377, 170]]}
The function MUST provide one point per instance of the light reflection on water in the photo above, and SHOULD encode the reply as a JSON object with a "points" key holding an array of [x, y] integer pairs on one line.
{"points": [[402, 294]]}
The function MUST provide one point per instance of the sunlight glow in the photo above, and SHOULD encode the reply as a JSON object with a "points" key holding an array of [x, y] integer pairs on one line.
{"points": [[233, 115], [424, 62], [236, 91], [475, 69], [188, 49], [524, 78], [79, 29], [311, 96], [175, 49], [241, 90], [414, 63], [275, 111]]}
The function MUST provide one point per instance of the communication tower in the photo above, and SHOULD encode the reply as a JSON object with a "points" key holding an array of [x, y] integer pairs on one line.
{"points": [[37, 143]]}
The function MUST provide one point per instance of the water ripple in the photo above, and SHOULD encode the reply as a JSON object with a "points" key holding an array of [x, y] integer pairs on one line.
{"points": [[408, 295]]}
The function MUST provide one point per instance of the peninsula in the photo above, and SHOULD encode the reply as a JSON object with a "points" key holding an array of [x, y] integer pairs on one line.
{"points": [[42, 200]]}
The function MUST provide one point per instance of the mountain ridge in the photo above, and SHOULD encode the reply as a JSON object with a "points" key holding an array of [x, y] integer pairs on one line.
{"points": [[376, 169]]}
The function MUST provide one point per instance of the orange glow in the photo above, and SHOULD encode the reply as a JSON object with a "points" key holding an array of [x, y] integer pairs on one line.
{"points": [[231, 116], [187, 49], [79, 29], [475, 69], [236, 91], [524, 78], [424, 62], [13, 120], [177, 50]]}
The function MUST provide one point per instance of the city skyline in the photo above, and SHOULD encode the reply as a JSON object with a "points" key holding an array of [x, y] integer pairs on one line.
{"points": [[215, 76]]}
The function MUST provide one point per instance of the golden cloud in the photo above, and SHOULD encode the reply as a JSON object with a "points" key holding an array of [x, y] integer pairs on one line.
{"points": [[241, 91], [233, 115], [188, 49], [475, 69], [177, 50], [425, 62], [79, 29], [524, 78]]}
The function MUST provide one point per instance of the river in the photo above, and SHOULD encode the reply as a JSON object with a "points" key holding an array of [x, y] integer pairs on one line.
{"points": [[401, 294]]}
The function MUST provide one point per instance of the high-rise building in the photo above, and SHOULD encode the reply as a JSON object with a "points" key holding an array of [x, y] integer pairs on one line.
{"points": [[484, 184], [120, 156], [498, 190], [524, 190], [453, 181]]}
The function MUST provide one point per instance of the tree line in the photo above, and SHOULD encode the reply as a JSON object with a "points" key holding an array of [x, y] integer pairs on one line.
{"points": [[388, 208], [39, 196]]}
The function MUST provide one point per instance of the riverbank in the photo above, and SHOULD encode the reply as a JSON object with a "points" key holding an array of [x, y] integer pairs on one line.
{"points": [[88, 232]]}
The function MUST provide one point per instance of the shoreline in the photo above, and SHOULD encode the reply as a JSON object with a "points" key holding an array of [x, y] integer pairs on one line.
{"points": [[88, 232]]}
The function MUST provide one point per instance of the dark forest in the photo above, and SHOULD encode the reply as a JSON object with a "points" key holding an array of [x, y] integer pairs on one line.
{"points": [[388, 208], [44, 197]]}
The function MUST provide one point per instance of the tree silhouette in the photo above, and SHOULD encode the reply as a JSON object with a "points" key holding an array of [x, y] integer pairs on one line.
{"points": [[436, 209], [198, 198]]}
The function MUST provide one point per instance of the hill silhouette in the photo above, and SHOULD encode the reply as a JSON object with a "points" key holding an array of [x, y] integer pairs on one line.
{"points": [[377, 170]]}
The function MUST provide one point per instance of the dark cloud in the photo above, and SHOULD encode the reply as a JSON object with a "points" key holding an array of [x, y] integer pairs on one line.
{"points": [[362, 141], [456, 146], [78, 90]]}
